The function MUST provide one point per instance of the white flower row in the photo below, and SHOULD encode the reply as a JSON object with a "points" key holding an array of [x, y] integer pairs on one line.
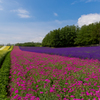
{"points": [[2, 48]]}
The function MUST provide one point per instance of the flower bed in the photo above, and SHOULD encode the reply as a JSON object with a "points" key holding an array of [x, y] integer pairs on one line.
{"points": [[41, 76]]}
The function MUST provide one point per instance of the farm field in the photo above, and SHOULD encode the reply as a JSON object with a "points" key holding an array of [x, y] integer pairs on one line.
{"points": [[3, 52], [78, 52], [1, 46], [39, 76]]}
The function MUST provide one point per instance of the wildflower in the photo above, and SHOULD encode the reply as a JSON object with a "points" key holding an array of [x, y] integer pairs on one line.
{"points": [[41, 92], [72, 96], [87, 93], [15, 97], [58, 95], [47, 80], [12, 89], [86, 79], [98, 93], [32, 97], [16, 91], [36, 86], [65, 99], [52, 89], [66, 83]]}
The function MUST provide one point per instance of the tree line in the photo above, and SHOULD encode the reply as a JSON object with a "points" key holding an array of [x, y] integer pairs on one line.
{"points": [[71, 36], [29, 44]]}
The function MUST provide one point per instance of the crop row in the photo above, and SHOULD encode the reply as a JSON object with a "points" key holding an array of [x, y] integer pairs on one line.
{"points": [[4, 75], [40, 76], [3, 53], [78, 52], [7, 48]]}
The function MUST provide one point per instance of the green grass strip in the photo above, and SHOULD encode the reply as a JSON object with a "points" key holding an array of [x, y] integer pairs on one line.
{"points": [[4, 77], [1, 46], [2, 56]]}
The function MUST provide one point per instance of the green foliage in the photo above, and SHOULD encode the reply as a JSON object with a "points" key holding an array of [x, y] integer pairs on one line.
{"points": [[29, 44], [2, 56], [88, 35], [1, 46], [61, 38], [4, 77], [70, 36]]}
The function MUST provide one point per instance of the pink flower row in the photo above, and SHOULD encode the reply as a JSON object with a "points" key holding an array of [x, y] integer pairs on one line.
{"points": [[36, 74]]}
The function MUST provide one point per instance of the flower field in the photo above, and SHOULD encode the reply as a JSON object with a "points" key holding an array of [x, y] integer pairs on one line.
{"points": [[4, 50], [2, 47], [40, 76], [78, 52], [4, 71]]}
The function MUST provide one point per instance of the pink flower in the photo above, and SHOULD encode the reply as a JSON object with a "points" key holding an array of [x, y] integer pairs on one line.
{"points": [[15, 97], [64, 89], [72, 96], [53, 85], [98, 94], [32, 97], [41, 92], [87, 93], [12, 89], [19, 98], [46, 92], [86, 79], [47, 80], [36, 86], [16, 91], [58, 95]]}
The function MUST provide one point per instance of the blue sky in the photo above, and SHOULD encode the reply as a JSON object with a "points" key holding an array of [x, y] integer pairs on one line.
{"points": [[30, 20]]}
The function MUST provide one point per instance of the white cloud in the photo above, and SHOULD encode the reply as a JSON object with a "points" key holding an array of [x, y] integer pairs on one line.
{"points": [[22, 13], [39, 39], [24, 16], [55, 14], [88, 19]]}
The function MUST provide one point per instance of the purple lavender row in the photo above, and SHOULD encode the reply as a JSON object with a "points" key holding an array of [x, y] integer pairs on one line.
{"points": [[78, 52]]}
